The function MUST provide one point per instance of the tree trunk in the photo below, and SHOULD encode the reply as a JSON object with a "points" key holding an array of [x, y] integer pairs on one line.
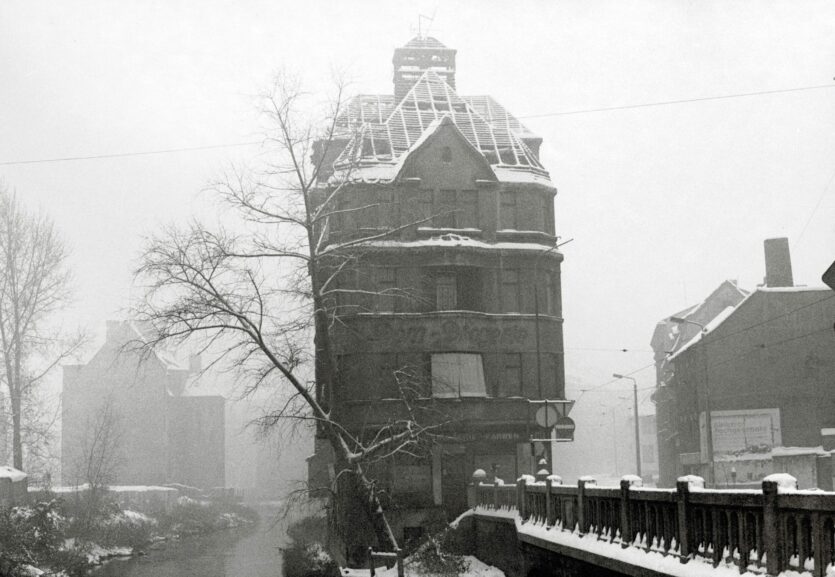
{"points": [[355, 488], [17, 441]]}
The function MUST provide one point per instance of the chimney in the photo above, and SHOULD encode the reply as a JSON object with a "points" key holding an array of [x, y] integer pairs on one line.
{"points": [[778, 263]]}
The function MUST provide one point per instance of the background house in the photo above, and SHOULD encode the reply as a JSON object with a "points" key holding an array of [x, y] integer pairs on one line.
{"points": [[159, 429], [765, 369]]}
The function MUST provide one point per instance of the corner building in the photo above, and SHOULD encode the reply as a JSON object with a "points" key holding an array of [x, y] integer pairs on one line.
{"points": [[452, 299]]}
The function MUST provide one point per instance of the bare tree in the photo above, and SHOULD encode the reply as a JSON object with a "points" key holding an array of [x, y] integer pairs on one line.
{"points": [[33, 284], [265, 288], [98, 456]]}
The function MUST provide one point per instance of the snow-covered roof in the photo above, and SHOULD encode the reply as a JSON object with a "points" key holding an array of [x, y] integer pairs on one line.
{"points": [[377, 142], [452, 240], [715, 322], [14, 475]]}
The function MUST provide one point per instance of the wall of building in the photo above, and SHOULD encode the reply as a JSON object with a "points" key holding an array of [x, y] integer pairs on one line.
{"points": [[196, 440], [776, 351]]}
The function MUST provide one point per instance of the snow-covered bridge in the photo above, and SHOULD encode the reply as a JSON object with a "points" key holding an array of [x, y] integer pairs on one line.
{"points": [[532, 528]]}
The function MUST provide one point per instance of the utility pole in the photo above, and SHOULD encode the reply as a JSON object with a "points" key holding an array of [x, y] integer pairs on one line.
{"points": [[637, 424]]}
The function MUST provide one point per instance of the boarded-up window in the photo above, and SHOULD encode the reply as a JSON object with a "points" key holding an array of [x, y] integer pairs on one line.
{"points": [[508, 216], [510, 291], [457, 374], [446, 292]]}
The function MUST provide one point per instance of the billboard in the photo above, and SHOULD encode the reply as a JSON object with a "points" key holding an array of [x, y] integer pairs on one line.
{"points": [[753, 430]]}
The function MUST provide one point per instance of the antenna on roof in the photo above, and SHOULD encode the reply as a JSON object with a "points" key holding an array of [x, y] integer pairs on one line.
{"points": [[421, 18]]}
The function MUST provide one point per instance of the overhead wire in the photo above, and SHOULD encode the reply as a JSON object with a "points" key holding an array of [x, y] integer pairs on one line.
{"points": [[679, 101], [529, 116]]}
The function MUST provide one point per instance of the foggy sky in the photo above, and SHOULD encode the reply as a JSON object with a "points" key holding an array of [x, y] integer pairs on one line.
{"points": [[663, 202]]}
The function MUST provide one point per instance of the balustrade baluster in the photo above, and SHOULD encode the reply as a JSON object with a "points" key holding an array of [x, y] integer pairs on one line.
{"points": [[802, 548]]}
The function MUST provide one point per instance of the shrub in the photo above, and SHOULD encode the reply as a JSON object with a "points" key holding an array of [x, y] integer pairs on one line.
{"points": [[437, 556], [308, 560], [30, 535]]}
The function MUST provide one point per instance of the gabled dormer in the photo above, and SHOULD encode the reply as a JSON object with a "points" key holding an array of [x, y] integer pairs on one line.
{"points": [[443, 158]]}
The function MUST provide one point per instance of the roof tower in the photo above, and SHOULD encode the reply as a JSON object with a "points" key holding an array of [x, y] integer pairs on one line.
{"points": [[418, 55]]}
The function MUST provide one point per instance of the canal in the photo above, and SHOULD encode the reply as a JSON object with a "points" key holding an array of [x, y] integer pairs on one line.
{"points": [[244, 552]]}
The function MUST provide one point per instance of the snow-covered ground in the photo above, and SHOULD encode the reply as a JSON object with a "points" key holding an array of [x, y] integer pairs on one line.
{"points": [[476, 568]]}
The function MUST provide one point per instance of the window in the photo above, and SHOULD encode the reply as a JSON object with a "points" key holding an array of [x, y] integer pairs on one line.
{"points": [[508, 216], [451, 208], [425, 207], [457, 374], [446, 154], [468, 213], [446, 292], [510, 291], [445, 209], [547, 296], [546, 207], [386, 287], [512, 384]]}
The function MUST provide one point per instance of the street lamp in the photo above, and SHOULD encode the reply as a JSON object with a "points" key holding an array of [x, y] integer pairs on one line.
{"points": [[637, 426], [708, 418]]}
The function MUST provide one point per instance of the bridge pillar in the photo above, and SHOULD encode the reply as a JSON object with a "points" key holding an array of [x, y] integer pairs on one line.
{"points": [[771, 529]]}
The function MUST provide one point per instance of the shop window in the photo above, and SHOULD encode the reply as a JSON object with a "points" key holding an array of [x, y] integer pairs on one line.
{"points": [[457, 375]]}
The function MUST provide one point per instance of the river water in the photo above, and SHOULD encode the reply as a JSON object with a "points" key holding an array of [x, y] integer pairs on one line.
{"points": [[244, 552]]}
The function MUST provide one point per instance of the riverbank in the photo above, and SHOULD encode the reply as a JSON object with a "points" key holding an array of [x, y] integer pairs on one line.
{"points": [[60, 537]]}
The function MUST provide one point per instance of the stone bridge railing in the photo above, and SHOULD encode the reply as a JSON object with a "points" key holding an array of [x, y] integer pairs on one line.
{"points": [[778, 528]]}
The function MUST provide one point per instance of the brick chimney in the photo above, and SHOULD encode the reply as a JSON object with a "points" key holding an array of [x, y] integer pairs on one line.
{"points": [[778, 263]]}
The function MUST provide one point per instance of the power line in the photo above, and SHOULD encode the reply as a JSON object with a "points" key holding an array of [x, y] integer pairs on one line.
{"points": [[681, 101], [817, 206], [127, 154], [543, 115]]}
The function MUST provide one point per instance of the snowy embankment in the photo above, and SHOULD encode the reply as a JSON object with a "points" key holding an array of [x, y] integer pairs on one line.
{"points": [[475, 568]]}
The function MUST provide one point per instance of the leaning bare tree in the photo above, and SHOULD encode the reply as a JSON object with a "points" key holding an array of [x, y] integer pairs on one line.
{"points": [[264, 288], [34, 283]]}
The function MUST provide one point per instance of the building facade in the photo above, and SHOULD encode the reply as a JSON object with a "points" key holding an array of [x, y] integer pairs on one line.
{"points": [[451, 303], [161, 431], [667, 339], [756, 388]]}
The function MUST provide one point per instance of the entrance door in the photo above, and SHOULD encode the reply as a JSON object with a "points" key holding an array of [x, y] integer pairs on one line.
{"points": [[454, 483]]}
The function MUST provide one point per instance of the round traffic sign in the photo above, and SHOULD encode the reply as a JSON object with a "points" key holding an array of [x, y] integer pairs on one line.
{"points": [[564, 428], [546, 416]]}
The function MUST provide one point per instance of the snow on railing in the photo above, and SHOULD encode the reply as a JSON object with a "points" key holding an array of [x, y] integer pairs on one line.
{"points": [[778, 528]]}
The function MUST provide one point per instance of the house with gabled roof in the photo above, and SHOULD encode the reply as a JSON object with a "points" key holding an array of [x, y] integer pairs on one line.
{"points": [[759, 379], [667, 338], [454, 289], [136, 413]]}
